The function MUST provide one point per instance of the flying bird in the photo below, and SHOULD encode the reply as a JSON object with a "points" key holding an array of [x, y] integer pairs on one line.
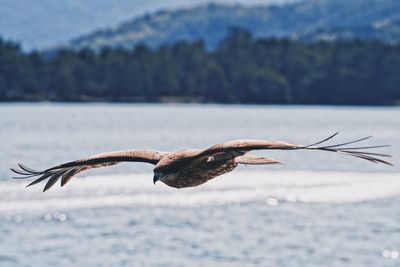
{"points": [[192, 167]]}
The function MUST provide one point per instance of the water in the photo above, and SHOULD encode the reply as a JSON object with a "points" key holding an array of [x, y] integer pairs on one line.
{"points": [[320, 209]]}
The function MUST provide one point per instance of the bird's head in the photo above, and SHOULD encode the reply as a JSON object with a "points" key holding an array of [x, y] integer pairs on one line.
{"points": [[157, 176], [163, 176]]}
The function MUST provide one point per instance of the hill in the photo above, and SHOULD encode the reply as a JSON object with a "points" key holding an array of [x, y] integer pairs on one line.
{"points": [[307, 20], [41, 24]]}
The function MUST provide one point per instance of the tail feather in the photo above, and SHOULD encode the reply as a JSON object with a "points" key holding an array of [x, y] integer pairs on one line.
{"points": [[255, 160]]}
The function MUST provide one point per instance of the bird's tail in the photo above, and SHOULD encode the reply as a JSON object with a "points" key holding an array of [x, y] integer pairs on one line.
{"points": [[256, 160]]}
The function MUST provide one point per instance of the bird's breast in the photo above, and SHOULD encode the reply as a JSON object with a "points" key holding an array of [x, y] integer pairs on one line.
{"points": [[196, 174]]}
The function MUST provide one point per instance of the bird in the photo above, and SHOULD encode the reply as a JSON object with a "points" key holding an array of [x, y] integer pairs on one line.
{"points": [[192, 167]]}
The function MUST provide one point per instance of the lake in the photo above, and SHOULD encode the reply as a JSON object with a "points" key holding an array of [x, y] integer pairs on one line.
{"points": [[320, 209]]}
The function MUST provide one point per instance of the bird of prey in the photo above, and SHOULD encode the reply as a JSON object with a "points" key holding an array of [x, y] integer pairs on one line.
{"points": [[192, 167]]}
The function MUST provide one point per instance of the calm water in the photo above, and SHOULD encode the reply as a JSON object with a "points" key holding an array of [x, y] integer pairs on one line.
{"points": [[320, 209]]}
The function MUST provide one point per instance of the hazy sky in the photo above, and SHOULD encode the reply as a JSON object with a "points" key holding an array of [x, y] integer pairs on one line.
{"points": [[43, 23]]}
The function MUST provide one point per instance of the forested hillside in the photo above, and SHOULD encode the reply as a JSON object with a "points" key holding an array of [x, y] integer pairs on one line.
{"points": [[309, 20], [242, 69]]}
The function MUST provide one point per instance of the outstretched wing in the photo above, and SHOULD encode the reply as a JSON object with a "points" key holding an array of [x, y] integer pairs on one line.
{"points": [[244, 146], [68, 170]]}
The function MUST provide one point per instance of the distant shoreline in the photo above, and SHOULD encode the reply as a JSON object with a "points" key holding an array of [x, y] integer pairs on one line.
{"points": [[242, 70], [195, 103]]}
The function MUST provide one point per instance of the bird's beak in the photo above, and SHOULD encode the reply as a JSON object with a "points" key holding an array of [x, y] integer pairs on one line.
{"points": [[155, 179]]}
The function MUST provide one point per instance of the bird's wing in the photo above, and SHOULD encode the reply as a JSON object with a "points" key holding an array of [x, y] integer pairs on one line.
{"points": [[244, 146], [68, 170]]}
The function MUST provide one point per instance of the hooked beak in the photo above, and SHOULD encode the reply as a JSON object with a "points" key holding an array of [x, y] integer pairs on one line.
{"points": [[155, 178]]}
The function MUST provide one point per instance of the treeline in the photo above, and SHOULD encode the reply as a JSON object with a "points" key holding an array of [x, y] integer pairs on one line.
{"points": [[242, 69]]}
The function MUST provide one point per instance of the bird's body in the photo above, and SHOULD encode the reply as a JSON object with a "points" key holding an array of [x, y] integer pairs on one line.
{"points": [[192, 171], [191, 167]]}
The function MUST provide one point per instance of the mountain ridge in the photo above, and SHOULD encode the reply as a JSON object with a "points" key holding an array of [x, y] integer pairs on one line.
{"points": [[307, 20]]}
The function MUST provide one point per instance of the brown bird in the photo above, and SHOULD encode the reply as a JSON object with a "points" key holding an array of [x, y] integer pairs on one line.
{"points": [[192, 167]]}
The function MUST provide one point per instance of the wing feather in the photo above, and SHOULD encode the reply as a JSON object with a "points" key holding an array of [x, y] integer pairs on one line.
{"points": [[68, 170], [245, 146]]}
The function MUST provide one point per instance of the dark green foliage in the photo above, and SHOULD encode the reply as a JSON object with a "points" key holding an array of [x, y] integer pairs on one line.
{"points": [[241, 70]]}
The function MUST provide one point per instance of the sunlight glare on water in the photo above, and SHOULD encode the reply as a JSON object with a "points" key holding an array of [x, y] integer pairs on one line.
{"points": [[320, 209]]}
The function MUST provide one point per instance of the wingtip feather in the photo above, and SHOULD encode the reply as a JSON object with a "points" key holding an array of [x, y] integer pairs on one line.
{"points": [[27, 169]]}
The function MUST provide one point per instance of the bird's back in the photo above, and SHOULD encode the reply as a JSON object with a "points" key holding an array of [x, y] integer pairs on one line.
{"points": [[192, 171]]}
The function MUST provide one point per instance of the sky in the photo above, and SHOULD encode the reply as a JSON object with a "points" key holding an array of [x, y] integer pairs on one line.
{"points": [[44, 23]]}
